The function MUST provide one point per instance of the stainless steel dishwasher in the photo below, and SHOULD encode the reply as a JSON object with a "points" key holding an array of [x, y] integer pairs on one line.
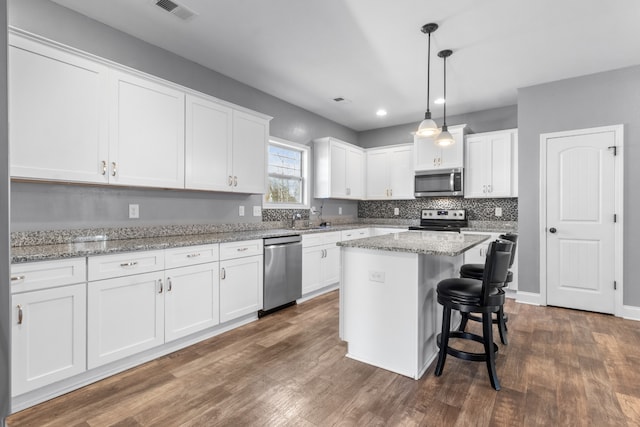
{"points": [[282, 272]]}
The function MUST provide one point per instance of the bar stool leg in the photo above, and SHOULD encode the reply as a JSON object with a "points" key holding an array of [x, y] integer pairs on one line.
{"points": [[502, 326], [463, 322], [444, 340], [487, 334]]}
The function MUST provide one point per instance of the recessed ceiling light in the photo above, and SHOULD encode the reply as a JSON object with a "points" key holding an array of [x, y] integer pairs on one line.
{"points": [[439, 101], [381, 113]]}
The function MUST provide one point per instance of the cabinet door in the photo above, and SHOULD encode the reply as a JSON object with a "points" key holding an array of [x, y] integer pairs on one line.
{"points": [[338, 162], [401, 173], [58, 115], [378, 170], [249, 153], [48, 336], [331, 265], [500, 170], [124, 316], [452, 156], [427, 153], [355, 173], [146, 145], [476, 172], [312, 268], [240, 287], [208, 145], [191, 301]]}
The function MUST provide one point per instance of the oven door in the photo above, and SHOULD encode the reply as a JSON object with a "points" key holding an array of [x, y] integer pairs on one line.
{"points": [[439, 183]]}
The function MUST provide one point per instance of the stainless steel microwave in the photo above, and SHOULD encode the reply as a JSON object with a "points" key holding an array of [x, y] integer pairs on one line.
{"points": [[444, 182]]}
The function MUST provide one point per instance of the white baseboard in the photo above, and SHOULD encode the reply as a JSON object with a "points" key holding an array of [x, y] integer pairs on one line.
{"points": [[630, 312], [529, 298]]}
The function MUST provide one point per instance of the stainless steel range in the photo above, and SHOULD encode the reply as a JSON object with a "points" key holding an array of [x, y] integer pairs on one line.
{"points": [[442, 220]]}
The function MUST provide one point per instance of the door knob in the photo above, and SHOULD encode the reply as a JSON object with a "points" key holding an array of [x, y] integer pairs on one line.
{"points": [[552, 230]]}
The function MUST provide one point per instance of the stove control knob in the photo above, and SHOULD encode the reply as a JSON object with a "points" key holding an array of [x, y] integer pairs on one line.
{"points": [[455, 214]]}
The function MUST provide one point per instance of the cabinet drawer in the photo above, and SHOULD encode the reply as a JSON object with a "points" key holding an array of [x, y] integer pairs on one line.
{"points": [[240, 249], [47, 274], [309, 240], [358, 233], [191, 255], [126, 264]]}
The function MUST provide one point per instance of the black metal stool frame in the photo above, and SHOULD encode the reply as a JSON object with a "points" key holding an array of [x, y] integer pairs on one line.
{"points": [[487, 298]]}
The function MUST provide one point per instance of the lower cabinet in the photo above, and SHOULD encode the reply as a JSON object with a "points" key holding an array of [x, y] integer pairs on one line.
{"points": [[320, 261], [478, 255], [48, 336], [192, 300], [125, 316], [241, 279]]}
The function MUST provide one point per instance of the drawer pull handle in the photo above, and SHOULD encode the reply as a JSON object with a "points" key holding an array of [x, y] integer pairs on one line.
{"points": [[193, 255], [129, 264], [242, 249], [161, 287], [104, 167], [114, 168], [169, 286], [230, 181], [17, 278], [223, 274], [19, 314], [235, 181]]}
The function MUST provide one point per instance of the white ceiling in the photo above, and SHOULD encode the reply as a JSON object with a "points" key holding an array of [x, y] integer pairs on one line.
{"points": [[372, 52]]}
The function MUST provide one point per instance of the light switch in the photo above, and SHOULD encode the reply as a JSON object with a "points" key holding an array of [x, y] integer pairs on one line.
{"points": [[396, 211], [257, 211], [134, 211], [339, 210], [498, 211], [241, 211]]}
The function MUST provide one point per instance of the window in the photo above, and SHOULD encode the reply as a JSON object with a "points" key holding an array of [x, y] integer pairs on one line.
{"points": [[288, 169]]}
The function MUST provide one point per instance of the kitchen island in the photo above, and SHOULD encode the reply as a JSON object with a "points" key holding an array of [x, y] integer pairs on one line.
{"points": [[389, 315]]}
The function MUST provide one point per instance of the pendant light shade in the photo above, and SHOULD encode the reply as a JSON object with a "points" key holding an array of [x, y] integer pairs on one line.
{"points": [[428, 127], [445, 138]]}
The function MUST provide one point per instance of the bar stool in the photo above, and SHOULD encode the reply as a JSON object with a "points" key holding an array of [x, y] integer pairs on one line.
{"points": [[474, 296], [475, 271]]}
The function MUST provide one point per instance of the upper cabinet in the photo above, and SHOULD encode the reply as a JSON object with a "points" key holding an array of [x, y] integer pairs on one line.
{"points": [[429, 155], [57, 113], [491, 166], [76, 118], [146, 138], [390, 173], [339, 169], [225, 148]]}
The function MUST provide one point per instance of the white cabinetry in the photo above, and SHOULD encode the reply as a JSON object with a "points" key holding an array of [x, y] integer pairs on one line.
{"points": [[48, 332], [478, 255], [339, 169], [357, 233], [241, 279], [192, 298], [320, 261], [491, 165], [429, 155], [225, 148], [58, 114], [390, 172]]}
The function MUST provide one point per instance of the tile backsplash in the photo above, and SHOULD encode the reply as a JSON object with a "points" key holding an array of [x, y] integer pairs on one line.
{"points": [[477, 209]]}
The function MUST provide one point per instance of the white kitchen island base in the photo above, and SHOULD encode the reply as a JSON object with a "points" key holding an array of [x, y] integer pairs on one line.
{"points": [[389, 312]]}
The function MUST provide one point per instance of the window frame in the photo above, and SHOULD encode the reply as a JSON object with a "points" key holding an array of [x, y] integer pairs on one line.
{"points": [[305, 166]]}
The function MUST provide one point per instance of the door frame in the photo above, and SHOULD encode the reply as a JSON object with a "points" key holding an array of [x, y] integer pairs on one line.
{"points": [[618, 166]]}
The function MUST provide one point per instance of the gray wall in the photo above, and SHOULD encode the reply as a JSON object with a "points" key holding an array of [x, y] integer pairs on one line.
{"points": [[44, 206], [5, 298], [480, 121], [601, 99]]}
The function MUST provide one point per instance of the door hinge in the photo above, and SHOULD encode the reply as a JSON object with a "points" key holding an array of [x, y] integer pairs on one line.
{"points": [[615, 217], [615, 285], [615, 149]]}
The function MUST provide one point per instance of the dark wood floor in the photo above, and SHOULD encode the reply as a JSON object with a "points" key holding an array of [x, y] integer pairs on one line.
{"points": [[562, 367]]}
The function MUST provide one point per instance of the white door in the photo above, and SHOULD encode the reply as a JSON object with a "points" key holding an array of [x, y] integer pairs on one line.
{"points": [[241, 282], [146, 142], [191, 302], [500, 166], [338, 166], [355, 173], [331, 265], [312, 268], [580, 230], [401, 173], [208, 145], [249, 153], [378, 174]]}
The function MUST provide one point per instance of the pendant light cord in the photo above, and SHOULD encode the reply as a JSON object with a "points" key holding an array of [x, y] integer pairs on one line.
{"points": [[444, 120], [428, 70]]}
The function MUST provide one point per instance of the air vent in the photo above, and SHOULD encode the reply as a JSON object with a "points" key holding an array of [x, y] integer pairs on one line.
{"points": [[179, 10], [341, 100], [338, 99]]}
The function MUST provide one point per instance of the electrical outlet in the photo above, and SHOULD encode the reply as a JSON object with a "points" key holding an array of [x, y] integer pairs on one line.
{"points": [[396, 211], [257, 211], [313, 210], [498, 211], [134, 211], [376, 276], [241, 211], [339, 210]]}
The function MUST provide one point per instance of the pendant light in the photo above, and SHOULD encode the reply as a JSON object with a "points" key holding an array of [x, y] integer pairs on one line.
{"points": [[428, 127], [445, 138]]}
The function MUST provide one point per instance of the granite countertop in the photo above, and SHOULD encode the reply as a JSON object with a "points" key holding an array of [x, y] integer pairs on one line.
{"points": [[419, 242], [42, 252]]}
